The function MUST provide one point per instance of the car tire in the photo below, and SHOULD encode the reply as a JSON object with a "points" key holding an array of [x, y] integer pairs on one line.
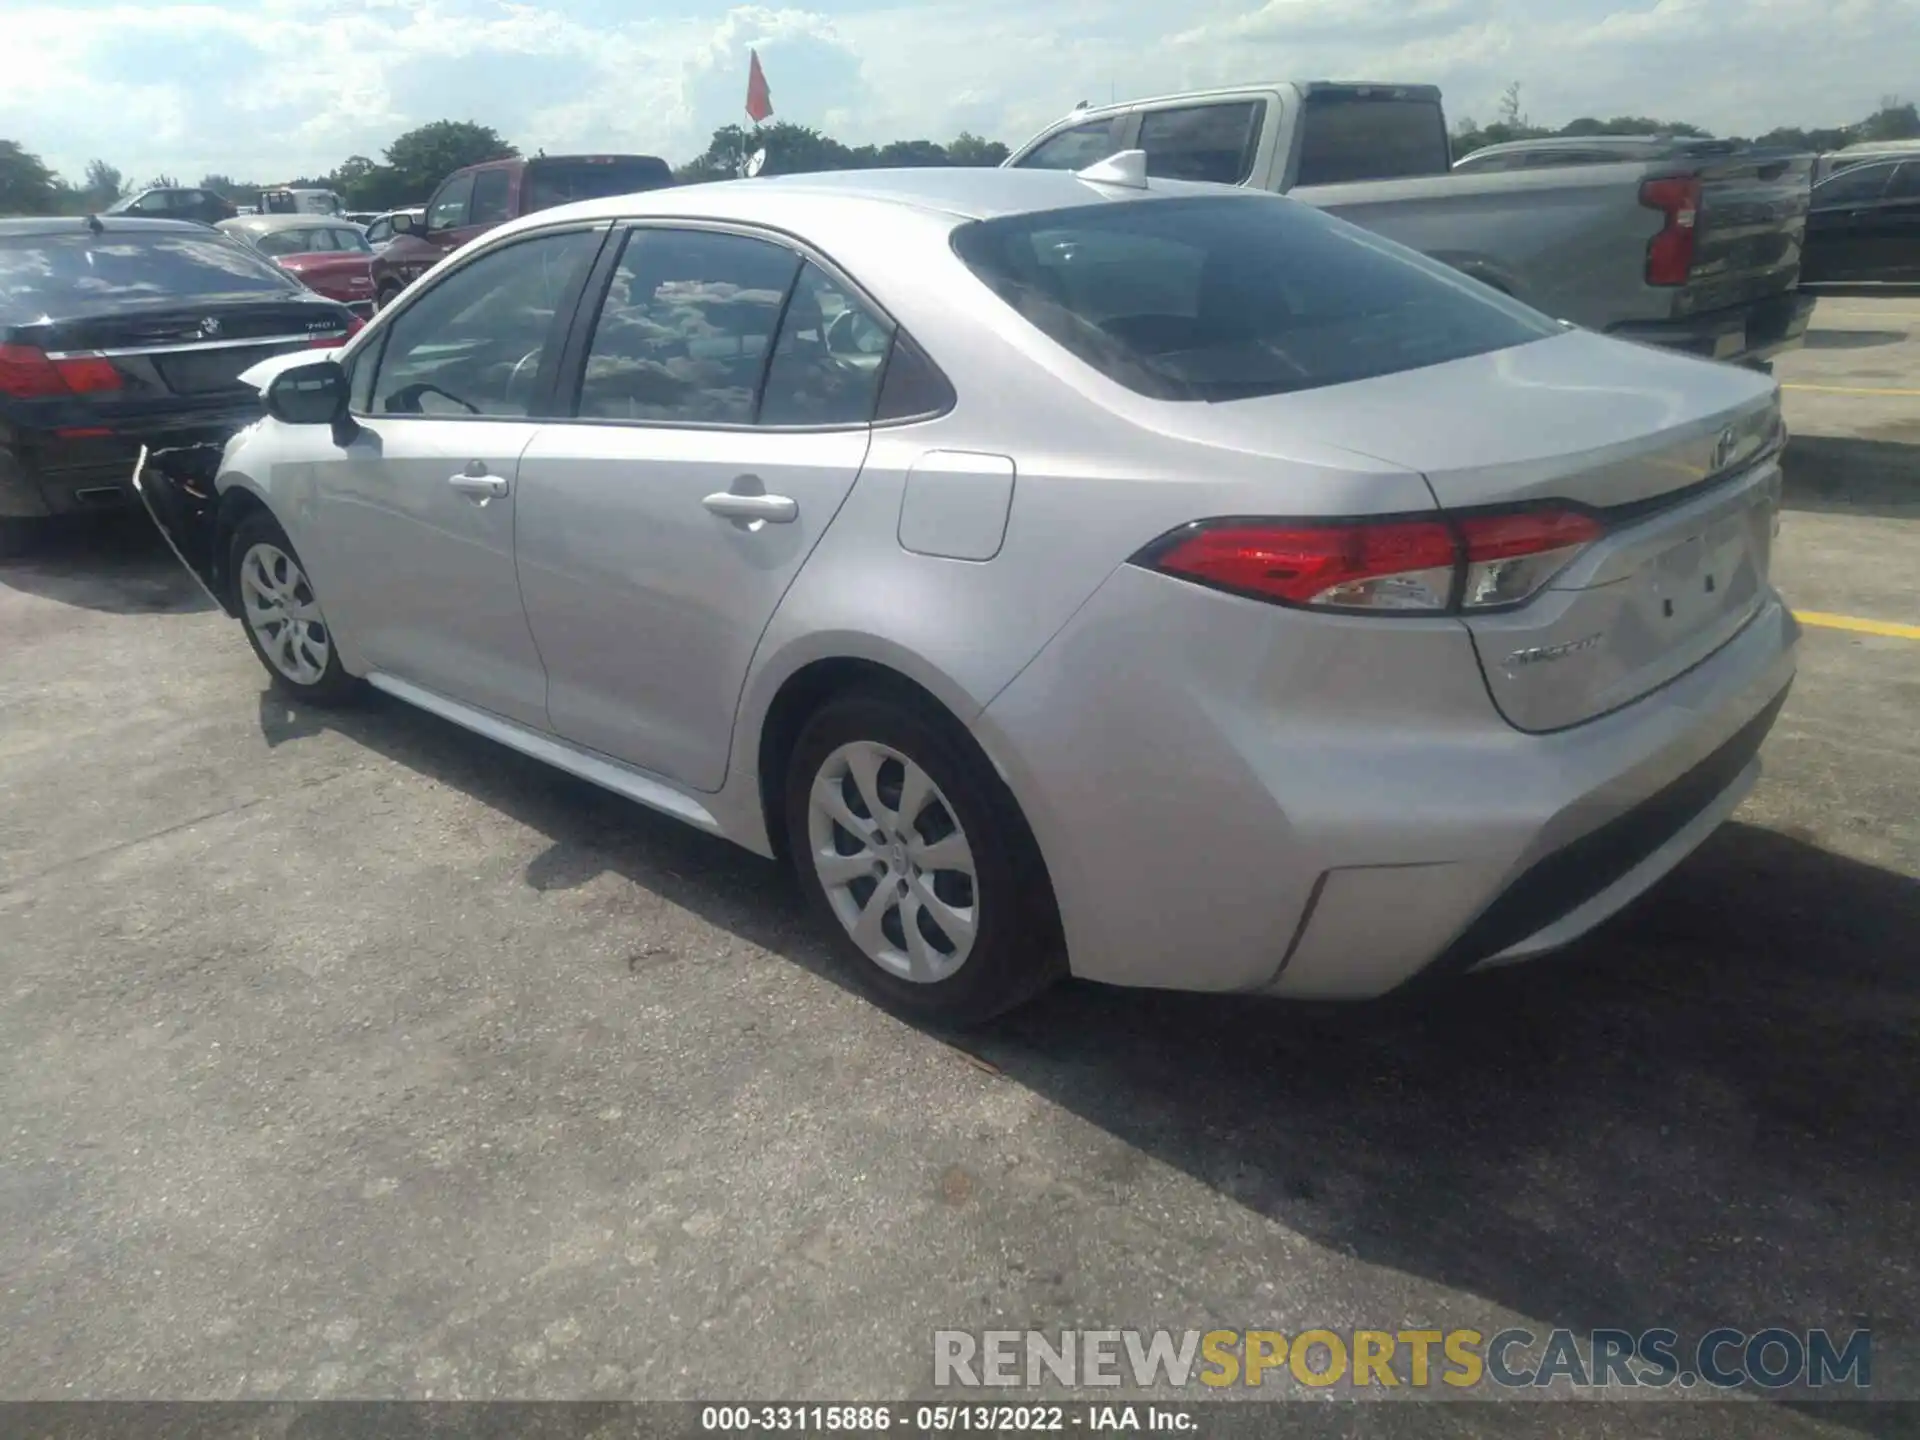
{"points": [[281, 614], [963, 870], [385, 297]]}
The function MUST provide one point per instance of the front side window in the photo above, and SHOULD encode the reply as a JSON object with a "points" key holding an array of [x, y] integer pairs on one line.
{"points": [[1074, 149], [1227, 297], [490, 197], [1203, 142], [379, 230], [449, 208], [828, 360], [473, 342], [684, 331]]}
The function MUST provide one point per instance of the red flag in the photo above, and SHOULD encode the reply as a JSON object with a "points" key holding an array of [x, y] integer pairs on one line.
{"points": [[759, 98]]}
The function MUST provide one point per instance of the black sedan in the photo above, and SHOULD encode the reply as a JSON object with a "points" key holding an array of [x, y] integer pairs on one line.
{"points": [[115, 333], [1865, 225]]}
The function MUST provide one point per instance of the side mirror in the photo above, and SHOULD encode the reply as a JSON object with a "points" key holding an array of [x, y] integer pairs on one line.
{"points": [[403, 224], [313, 394]]}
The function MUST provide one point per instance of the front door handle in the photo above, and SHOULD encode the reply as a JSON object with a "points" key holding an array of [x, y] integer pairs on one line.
{"points": [[476, 483], [750, 511]]}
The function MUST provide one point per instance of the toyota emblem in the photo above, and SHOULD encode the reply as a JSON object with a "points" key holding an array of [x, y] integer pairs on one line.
{"points": [[1723, 449], [209, 327]]}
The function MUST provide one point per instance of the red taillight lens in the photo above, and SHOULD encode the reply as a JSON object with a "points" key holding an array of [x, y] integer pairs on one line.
{"points": [[28, 374], [1384, 565], [1478, 562], [1670, 253]]}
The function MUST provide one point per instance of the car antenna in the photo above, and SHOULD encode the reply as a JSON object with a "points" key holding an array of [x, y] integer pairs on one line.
{"points": [[93, 224], [1127, 168]]}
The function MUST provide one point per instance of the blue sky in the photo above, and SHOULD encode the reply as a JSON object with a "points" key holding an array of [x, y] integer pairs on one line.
{"points": [[272, 88]]}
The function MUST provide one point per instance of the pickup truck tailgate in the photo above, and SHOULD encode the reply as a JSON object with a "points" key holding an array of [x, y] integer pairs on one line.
{"points": [[1751, 223]]}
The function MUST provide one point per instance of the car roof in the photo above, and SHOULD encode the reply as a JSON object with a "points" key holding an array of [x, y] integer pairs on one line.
{"points": [[266, 224], [111, 224], [961, 192]]}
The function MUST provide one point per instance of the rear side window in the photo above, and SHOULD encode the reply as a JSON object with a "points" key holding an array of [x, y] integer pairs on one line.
{"points": [[684, 331], [1905, 184], [1203, 142], [828, 360], [1073, 149], [1853, 187], [54, 270], [1347, 136], [1227, 297]]}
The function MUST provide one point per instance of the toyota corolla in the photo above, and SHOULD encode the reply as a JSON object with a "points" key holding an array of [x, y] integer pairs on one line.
{"points": [[1069, 573]]}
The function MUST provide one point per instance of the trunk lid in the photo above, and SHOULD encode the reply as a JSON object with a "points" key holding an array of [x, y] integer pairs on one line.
{"points": [[341, 276], [1677, 456], [1751, 224]]}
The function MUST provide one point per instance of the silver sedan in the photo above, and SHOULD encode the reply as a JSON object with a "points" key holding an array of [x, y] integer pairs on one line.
{"points": [[1082, 574]]}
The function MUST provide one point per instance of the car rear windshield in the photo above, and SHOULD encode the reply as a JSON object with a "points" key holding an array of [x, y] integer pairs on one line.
{"points": [[1229, 297], [555, 182], [1354, 135], [45, 270]]}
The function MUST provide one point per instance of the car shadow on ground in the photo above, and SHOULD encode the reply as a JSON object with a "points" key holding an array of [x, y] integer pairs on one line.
{"points": [[1852, 339], [1703, 1115], [116, 563], [1849, 475]]}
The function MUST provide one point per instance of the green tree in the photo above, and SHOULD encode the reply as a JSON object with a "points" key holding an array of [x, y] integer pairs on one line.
{"points": [[104, 184], [1896, 119], [422, 158], [27, 186], [969, 149], [162, 181], [911, 152]]}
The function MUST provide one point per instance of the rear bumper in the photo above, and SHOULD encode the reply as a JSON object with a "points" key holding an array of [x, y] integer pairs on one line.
{"points": [[1231, 796], [43, 474], [1743, 334]]}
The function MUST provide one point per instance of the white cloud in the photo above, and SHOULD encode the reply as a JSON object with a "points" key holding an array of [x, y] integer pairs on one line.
{"points": [[267, 88]]}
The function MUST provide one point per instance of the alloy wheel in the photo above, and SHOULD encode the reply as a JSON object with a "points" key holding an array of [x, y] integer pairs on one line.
{"points": [[284, 614], [893, 861]]}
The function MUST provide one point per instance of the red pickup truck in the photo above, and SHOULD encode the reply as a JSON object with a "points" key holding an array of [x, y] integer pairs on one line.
{"points": [[472, 201]]}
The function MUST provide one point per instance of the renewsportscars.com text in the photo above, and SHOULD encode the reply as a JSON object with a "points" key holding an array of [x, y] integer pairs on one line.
{"points": [[1721, 1359]]}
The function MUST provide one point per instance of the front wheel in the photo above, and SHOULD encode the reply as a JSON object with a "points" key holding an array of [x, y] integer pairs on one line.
{"points": [[282, 614], [918, 860]]}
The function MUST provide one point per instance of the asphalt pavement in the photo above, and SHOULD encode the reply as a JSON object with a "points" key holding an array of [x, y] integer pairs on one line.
{"points": [[351, 1055]]}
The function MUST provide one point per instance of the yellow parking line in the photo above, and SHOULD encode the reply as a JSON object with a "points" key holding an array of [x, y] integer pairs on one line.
{"points": [[1851, 622], [1847, 390]]}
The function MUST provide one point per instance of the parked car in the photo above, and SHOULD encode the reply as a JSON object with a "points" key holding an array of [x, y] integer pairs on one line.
{"points": [[1865, 225], [1061, 583], [470, 202], [362, 218], [1848, 156], [1696, 254], [297, 200], [204, 206], [330, 256], [119, 332], [380, 231]]}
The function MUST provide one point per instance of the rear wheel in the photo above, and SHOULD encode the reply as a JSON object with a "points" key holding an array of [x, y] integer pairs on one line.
{"points": [[282, 614], [919, 862]]}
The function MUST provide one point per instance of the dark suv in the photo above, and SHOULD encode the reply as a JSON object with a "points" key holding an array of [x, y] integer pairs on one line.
{"points": [[472, 201], [202, 205]]}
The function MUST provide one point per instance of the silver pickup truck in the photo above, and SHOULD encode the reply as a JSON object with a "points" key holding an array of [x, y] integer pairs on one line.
{"points": [[1698, 254]]}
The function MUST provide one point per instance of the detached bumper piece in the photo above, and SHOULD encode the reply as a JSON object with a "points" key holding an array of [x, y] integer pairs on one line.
{"points": [[175, 483], [1567, 879]]}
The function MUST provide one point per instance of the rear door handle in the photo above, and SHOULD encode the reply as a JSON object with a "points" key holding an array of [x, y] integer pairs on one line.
{"points": [[750, 509]]}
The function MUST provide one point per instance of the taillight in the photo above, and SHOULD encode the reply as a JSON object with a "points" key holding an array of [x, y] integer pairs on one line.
{"points": [[30, 374], [1670, 253], [1475, 562]]}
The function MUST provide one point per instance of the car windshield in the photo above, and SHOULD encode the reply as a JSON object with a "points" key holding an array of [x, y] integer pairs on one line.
{"points": [[46, 269], [1229, 297], [556, 182]]}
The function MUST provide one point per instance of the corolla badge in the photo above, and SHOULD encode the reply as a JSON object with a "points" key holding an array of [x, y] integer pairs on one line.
{"points": [[1542, 654]]}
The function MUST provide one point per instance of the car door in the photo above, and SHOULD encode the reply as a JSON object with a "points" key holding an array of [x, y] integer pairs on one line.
{"points": [[445, 229], [1894, 247], [659, 528], [414, 517], [1840, 224]]}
